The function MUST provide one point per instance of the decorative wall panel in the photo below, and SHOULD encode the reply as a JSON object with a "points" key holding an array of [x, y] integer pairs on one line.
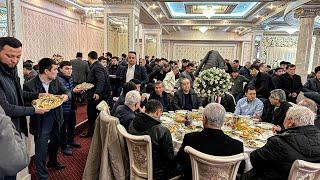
{"points": [[151, 49], [246, 52], [196, 52], [45, 35], [123, 43], [165, 50], [83, 39], [95, 39]]}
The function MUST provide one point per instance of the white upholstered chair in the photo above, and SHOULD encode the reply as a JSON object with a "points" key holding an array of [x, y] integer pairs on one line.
{"points": [[206, 166], [303, 170], [140, 155]]}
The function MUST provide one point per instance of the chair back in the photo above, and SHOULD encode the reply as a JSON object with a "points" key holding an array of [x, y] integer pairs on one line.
{"points": [[140, 154], [303, 170], [206, 166]]}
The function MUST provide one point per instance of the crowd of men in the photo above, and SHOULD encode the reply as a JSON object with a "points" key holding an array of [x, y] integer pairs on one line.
{"points": [[138, 91]]}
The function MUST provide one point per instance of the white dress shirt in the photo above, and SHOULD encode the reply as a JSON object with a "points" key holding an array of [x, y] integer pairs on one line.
{"points": [[130, 73]]}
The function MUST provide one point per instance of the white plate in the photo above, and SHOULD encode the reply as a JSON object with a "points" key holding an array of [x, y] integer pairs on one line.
{"points": [[264, 125], [253, 144]]}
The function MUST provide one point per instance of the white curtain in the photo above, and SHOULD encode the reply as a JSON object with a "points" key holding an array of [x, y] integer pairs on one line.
{"points": [[277, 54]]}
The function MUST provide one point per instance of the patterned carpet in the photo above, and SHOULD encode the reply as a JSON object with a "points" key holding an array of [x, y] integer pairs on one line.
{"points": [[76, 163]]}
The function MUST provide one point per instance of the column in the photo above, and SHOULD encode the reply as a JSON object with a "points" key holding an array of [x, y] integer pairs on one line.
{"points": [[306, 19], [158, 45], [316, 55], [123, 8], [256, 48]]}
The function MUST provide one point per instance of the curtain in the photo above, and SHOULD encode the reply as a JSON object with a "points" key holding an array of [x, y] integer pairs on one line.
{"points": [[277, 54]]}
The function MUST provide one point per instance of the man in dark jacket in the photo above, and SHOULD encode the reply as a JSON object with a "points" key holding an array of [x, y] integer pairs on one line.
{"points": [[149, 123], [80, 69], [275, 108], [211, 140], [299, 140], [311, 88], [212, 59], [46, 127], [114, 71], [11, 95], [126, 113], [262, 82], [133, 71], [69, 113], [244, 70], [160, 95], [129, 86], [290, 83], [101, 90], [186, 98]]}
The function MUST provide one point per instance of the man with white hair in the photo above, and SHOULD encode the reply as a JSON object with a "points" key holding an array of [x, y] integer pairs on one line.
{"points": [[126, 113], [299, 140], [211, 140], [314, 108], [275, 108]]}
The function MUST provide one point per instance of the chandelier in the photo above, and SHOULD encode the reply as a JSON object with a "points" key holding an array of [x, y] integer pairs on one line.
{"points": [[203, 29]]}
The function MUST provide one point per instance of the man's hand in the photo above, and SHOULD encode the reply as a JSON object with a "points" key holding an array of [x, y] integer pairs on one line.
{"points": [[276, 128], [64, 97], [96, 97], [294, 94], [76, 90], [43, 94], [40, 111]]}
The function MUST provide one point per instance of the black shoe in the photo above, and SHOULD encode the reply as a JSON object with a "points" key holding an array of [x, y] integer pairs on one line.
{"points": [[74, 144], [85, 135], [55, 165], [67, 151]]}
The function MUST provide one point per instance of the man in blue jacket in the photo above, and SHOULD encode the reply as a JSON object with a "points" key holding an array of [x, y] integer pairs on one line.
{"points": [[69, 113]]}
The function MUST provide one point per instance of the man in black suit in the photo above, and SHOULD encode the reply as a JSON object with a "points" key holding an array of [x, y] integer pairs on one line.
{"points": [[101, 91], [211, 140], [133, 71], [290, 83], [262, 82], [160, 95], [186, 98], [46, 127]]}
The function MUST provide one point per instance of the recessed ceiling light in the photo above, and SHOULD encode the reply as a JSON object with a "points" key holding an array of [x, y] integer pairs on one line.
{"points": [[160, 16], [271, 6], [153, 6], [73, 8], [187, 21], [203, 29], [257, 16]]}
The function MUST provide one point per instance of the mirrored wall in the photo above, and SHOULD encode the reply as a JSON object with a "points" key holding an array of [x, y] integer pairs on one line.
{"points": [[150, 48], [118, 35]]}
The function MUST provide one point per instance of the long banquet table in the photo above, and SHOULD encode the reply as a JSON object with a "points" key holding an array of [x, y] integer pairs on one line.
{"points": [[246, 129]]}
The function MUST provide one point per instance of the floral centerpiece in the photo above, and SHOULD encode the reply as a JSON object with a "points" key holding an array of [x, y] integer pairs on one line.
{"points": [[212, 82]]}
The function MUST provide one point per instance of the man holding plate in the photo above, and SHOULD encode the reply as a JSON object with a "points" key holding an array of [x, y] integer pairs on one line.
{"points": [[46, 127]]}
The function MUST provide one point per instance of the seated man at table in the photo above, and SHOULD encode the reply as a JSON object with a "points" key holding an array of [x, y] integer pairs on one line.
{"points": [[275, 108], [160, 95], [149, 123], [249, 105], [211, 140], [186, 98], [299, 140], [126, 113], [311, 88]]}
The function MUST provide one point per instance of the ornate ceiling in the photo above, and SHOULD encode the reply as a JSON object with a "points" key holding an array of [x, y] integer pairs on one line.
{"points": [[239, 17]]}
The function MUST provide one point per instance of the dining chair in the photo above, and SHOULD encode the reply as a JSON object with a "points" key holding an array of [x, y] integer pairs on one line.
{"points": [[303, 170], [206, 166], [140, 154]]}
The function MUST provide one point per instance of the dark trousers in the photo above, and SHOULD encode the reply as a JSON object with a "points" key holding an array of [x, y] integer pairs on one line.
{"points": [[42, 147], [92, 113], [67, 128]]}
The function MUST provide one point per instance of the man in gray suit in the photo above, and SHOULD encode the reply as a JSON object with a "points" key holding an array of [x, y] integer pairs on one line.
{"points": [[212, 59], [80, 69]]}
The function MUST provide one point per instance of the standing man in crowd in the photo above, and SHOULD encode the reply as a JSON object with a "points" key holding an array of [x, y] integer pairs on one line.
{"points": [[69, 113], [46, 128], [114, 71], [101, 90], [28, 72], [133, 71], [290, 82], [80, 69]]}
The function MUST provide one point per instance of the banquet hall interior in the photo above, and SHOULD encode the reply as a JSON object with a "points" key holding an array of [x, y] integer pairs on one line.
{"points": [[170, 52]]}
